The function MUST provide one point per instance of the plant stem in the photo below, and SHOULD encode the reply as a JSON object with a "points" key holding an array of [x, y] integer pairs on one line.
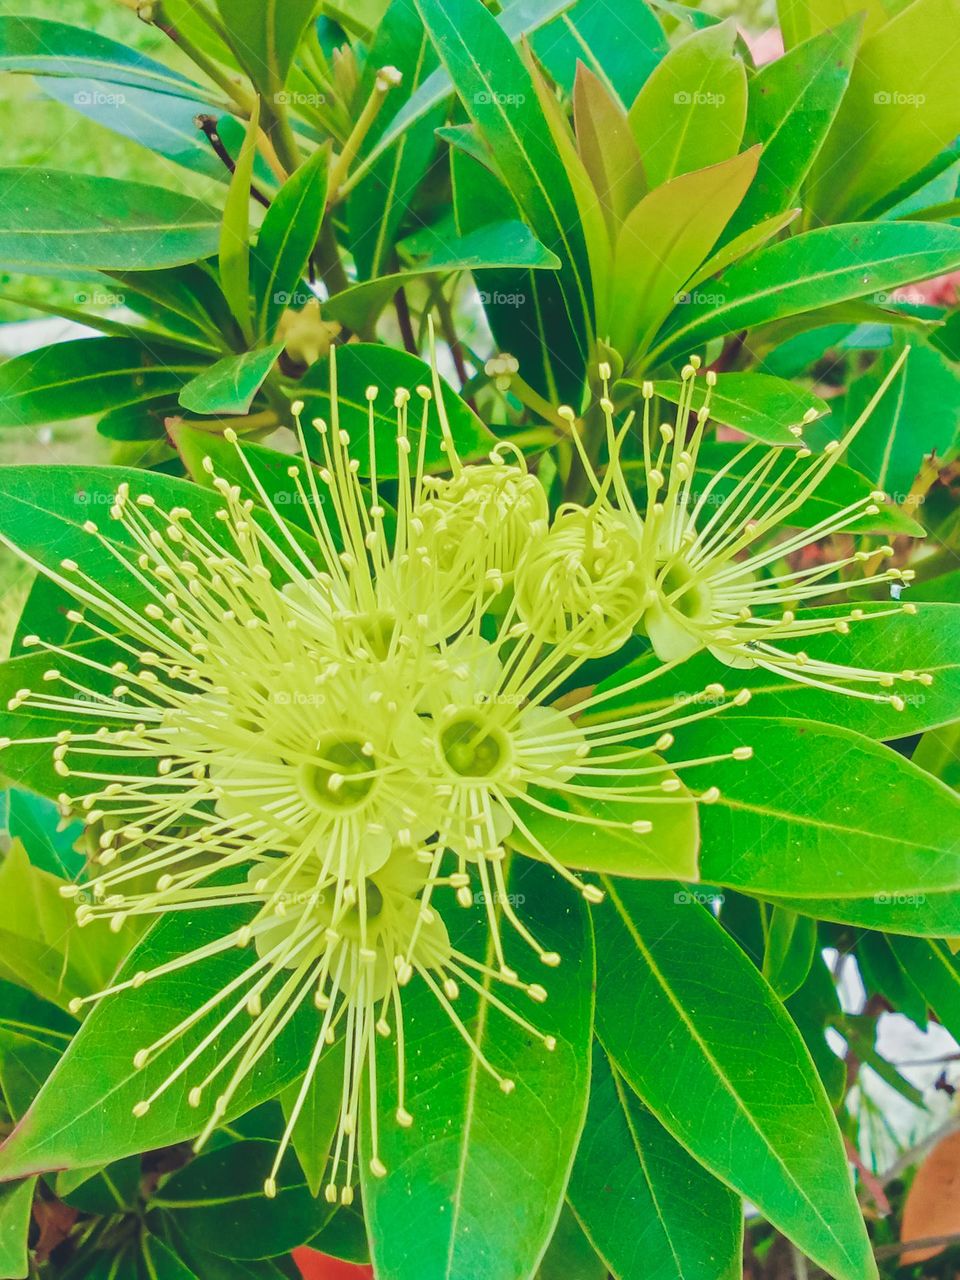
{"points": [[153, 14]]}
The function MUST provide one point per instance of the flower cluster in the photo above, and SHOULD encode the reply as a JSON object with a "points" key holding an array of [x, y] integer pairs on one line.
{"points": [[330, 726]]}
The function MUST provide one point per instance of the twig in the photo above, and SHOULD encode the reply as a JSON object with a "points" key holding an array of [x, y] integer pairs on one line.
{"points": [[405, 321], [925, 1242], [208, 126]]}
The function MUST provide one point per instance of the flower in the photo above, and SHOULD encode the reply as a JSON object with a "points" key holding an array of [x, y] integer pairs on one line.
{"points": [[318, 728], [705, 563]]}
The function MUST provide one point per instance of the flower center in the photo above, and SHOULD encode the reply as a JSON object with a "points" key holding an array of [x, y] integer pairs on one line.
{"points": [[341, 777], [472, 748], [684, 593]]}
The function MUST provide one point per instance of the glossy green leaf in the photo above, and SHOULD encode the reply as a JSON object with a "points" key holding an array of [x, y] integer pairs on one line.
{"points": [[647, 1205], [927, 641], [622, 53], [230, 385], [791, 946], [501, 244], [475, 1187], [218, 1204], [567, 828], [47, 839], [840, 487], [25, 1063], [883, 973], [820, 811], [739, 247], [88, 376], [44, 48], [813, 270], [570, 1255], [920, 915], [666, 1016], [161, 121], [361, 365], [932, 968], [761, 406], [917, 418], [814, 1008], [899, 112], [522, 18], [16, 1199], [691, 111], [498, 94], [386, 195], [938, 752], [793, 101], [83, 1115], [41, 946], [264, 35], [316, 1122], [51, 220], [161, 1263], [287, 238], [234, 247], [662, 242]]}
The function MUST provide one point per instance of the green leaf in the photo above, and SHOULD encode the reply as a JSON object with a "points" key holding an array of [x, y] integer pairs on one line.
{"points": [[385, 196], [661, 244], [572, 835], [918, 417], [83, 1114], [938, 752], [899, 112], [498, 94], [813, 270], [448, 1208], [666, 977], [927, 641], [814, 1008], [217, 1202], [739, 247], [883, 973], [793, 101], [921, 915], [522, 18], [25, 1063], [609, 154], [317, 1121], [360, 365], [570, 1255], [761, 406], [230, 385], [41, 946], [791, 947], [40, 47], [234, 248], [56, 221], [500, 244], [649, 1207], [49, 841], [287, 238], [161, 1263], [821, 810], [622, 54], [163, 122], [16, 1201], [931, 967], [691, 111], [88, 376], [265, 35], [840, 487]]}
